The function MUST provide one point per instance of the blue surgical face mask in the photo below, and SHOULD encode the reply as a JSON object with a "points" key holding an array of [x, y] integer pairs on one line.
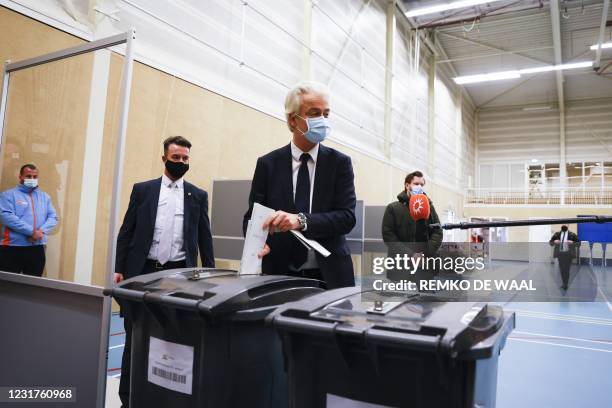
{"points": [[31, 183], [318, 129], [416, 189]]}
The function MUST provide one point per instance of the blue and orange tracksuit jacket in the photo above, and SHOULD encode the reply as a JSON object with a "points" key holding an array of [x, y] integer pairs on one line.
{"points": [[22, 211]]}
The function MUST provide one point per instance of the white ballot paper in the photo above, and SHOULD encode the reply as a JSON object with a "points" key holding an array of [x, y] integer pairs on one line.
{"points": [[256, 236], [311, 243]]}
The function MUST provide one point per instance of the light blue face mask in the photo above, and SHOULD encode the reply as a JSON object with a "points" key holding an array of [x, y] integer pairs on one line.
{"points": [[30, 183], [318, 129], [416, 189]]}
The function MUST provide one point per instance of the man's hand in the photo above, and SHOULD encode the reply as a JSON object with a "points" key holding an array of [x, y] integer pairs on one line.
{"points": [[37, 235], [117, 277], [265, 251], [569, 241], [556, 241], [282, 221]]}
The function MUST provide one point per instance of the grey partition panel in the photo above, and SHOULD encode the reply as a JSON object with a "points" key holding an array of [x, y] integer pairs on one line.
{"points": [[230, 200], [355, 237], [375, 246], [373, 215], [373, 221], [355, 246], [53, 335], [228, 247]]}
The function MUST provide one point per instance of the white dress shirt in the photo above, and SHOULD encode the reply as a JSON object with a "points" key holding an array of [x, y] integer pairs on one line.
{"points": [[296, 152], [170, 187], [563, 241]]}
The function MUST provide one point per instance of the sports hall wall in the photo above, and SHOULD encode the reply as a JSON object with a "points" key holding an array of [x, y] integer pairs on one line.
{"points": [[227, 138]]}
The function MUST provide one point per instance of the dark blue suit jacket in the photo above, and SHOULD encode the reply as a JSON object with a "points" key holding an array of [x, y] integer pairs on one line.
{"points": [[136, 233], [332, 216]]}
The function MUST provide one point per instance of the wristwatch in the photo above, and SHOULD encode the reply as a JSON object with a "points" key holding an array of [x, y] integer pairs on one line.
{"points": [[303, 221]]}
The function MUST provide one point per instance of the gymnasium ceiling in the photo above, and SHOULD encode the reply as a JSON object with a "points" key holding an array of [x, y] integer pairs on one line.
{"points": [[510, 34]]}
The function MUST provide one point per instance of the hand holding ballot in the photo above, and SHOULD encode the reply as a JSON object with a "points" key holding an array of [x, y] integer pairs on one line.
{"points": [[282, 221], [265, 251], [266, 221], [278, 221]]}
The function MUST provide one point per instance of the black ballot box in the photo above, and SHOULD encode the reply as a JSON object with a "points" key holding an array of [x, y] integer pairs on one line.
{"points": [[199, 337], [348, 348]]}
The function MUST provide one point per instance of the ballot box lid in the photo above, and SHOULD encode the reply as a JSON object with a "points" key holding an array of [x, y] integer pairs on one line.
{"points": [[419, 321], [214, 292]]}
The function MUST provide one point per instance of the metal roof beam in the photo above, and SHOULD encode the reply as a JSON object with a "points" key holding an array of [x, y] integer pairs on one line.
{"points": [[512, 88], [556, 32], [506, 91], [602, 30], [493, 54], [493, 47]]}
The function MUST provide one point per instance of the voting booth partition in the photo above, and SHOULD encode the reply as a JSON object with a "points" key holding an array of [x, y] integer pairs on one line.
{"points": [[54, 337], [55, 330], [199, 338]]}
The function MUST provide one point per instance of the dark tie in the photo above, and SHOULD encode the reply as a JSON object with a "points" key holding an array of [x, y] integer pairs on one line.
{"points": [[302, 204], [302, 186]]}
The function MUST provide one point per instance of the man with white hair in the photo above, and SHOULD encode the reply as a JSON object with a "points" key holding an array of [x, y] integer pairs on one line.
{"points": [[312, 189]]}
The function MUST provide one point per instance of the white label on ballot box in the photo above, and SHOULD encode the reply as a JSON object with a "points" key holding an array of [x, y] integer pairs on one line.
{"points": [[335, 401], [170, 365]]}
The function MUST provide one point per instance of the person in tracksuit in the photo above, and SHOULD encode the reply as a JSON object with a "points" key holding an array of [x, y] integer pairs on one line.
{"points": [[27, 216]]}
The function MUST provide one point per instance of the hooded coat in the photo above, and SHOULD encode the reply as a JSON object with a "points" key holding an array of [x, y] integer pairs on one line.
{"points": [[400, 230]]}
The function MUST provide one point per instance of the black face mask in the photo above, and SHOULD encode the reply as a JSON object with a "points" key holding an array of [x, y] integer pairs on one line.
{"points": [[176, 169], [564, 228]]}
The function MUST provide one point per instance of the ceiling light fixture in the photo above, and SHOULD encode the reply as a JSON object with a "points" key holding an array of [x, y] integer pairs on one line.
{"points": [[447, 6], [603, 46], [495, 76]]}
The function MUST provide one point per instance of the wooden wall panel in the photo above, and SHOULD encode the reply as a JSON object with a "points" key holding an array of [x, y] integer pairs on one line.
{"points": [[28, 38]]}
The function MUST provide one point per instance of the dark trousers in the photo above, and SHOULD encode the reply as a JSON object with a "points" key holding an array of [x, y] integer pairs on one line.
{"points": [[565, 262], [29, 260], [124, 380]]}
